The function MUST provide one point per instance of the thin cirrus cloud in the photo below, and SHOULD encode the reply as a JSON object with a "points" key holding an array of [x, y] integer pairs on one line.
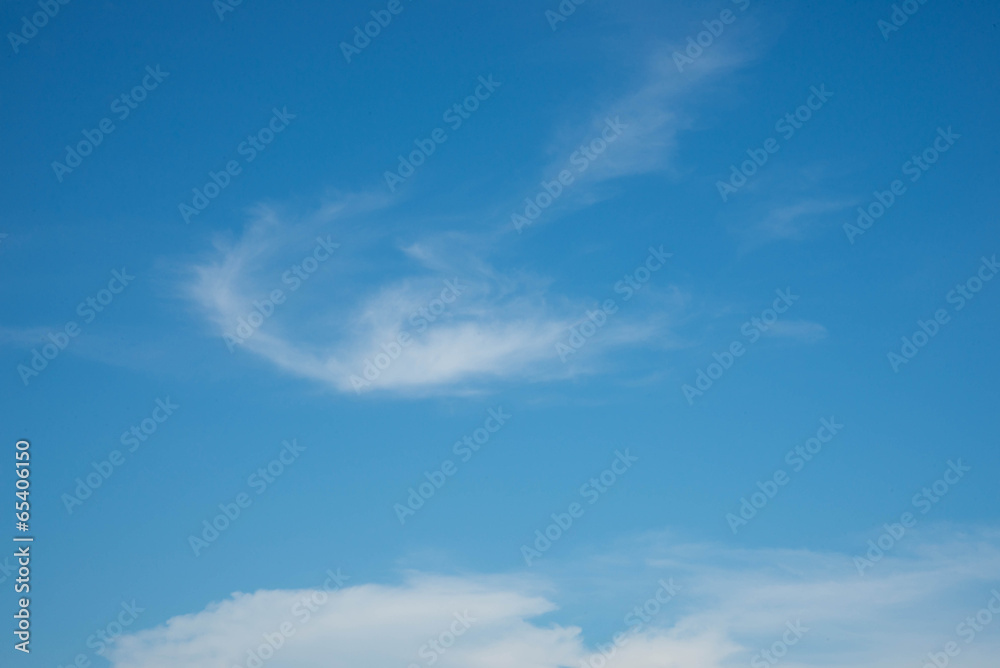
{"points": [[656, 112], [502, 326], [793, 221], [652, 113], [465, 323], [789, 222], [802, 331], [727, 606]]}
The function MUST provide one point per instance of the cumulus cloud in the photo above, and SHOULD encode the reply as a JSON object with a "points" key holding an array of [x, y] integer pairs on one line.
{"points": [[446, 622], [727, 607], [453, 622]]}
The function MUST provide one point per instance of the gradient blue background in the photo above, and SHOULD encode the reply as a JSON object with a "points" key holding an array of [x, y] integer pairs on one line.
{"points": [[334, 508]]}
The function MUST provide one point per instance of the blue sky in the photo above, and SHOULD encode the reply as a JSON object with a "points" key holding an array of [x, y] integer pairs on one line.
{"points": [[500, 254]]}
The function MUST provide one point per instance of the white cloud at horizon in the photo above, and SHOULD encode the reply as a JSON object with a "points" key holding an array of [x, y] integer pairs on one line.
{"points": [[731, 604]]}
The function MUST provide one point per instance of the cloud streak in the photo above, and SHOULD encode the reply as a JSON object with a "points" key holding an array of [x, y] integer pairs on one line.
{"points": [[436, 319]]}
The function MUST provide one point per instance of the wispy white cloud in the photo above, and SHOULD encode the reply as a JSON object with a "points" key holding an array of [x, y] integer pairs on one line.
{"points": [[657, 111], [504, 325], [798, 330], [24, 337], [464, 323], [795, 221], [651, 111]]}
